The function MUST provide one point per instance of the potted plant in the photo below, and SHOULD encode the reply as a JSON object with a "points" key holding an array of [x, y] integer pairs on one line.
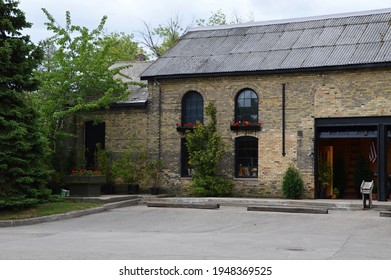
{"points": [[152, 175], [325, 176], [335, 193], [128, 167], [104, 163]]}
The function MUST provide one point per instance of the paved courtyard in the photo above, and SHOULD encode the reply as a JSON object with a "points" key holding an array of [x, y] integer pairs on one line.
{"points": [[140, 232]]}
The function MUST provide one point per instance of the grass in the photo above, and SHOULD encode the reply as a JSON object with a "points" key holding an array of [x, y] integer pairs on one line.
{"points": [[46, 209]]}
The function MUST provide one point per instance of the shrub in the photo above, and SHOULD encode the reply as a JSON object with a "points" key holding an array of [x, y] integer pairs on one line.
{"points": [[292, 185], [206, 149], [211, 186]]}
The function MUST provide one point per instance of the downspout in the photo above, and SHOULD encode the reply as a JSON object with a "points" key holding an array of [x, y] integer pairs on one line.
{"points": [[159, 118], [283, 120]]}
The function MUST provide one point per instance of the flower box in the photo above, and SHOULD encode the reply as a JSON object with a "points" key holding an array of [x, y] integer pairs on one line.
{"points": [[89, 185], [183, 129], [186, 126], [246, 127]]}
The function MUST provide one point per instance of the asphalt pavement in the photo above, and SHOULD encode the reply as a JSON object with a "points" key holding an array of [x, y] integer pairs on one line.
{"points": [[228, 232]]}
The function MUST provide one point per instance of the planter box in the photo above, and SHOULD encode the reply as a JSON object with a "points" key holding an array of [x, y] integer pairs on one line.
{"points": [[85, 185], [183, 129], [245, 127]]}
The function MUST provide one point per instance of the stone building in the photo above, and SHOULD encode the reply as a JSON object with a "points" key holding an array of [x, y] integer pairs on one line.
{"points": [[124, 122], [290, 92]]}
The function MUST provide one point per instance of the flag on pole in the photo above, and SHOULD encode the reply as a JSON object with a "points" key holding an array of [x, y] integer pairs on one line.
{"points": [[372, 152]]}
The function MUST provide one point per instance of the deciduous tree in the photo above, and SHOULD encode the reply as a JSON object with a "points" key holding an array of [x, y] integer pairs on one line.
{"points": [[76, 76]]}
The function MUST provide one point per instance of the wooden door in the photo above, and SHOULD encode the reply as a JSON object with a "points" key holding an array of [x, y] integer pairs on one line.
{"points": [[326, 154]]}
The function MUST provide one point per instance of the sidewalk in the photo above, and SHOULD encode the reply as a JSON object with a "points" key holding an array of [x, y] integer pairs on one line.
{"points": [[117, 201], [332, 204]]}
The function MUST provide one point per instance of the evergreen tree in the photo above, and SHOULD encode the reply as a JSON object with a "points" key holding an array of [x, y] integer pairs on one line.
{"points": [[23, 172], [205, 150]]}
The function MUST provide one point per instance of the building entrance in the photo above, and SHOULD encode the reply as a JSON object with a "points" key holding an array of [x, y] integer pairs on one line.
{"points": [[350, 150]]}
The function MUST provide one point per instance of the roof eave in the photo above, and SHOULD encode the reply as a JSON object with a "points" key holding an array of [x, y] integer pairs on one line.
{"points": [[272, 71]]}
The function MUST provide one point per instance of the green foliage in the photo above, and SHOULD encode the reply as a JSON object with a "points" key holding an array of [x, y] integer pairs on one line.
{"points": [[217, 18], [76, 77], [205, 146], [205, 151], [104, 163], [18, 55], [120, 46], [159, 39], [23, 149], [130, 165], [153, 170], [325, 174], [170, 34], [292, 184], [211, 186]]}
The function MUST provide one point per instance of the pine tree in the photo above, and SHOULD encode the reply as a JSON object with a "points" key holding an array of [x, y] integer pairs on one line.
{"points": [[23, 150]]}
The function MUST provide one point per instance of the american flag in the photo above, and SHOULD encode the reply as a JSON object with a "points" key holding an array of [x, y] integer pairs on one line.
{"points": [[372, 152]]}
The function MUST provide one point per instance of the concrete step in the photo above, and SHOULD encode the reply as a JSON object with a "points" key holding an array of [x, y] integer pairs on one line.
{"points": [[184, 205], [289, 209]]}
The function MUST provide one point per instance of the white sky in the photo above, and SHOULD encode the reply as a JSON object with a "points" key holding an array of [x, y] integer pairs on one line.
{"points": [[128, 15]]}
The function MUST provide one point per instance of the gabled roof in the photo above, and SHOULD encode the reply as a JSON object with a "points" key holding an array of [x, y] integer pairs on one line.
{"points": [[346, 40]]}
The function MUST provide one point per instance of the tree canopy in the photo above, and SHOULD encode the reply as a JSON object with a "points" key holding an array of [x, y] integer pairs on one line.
{"points": [[23, 150], [77, 74], [159, 39]]}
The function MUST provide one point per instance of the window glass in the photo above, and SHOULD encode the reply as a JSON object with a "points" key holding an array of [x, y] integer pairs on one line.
{"points": [[246, 151], [192, 108], [246, 108]]}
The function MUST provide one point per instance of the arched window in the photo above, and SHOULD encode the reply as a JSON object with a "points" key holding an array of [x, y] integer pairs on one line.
{"points": [[192, 112], [192, 108], [246, 107], [246, 157]]}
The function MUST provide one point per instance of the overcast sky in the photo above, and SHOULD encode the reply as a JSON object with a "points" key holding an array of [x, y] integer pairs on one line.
{"points": [[128, 15]]}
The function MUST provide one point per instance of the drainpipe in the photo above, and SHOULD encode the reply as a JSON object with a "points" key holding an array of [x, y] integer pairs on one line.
{"points": [[156, 83], [283, 120]]}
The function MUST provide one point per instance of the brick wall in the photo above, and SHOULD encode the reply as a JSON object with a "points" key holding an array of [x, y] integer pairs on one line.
{"points": [[308, 96], [121, 127]]}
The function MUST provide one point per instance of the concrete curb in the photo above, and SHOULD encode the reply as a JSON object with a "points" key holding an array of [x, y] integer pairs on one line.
{"points": [[68, 215], [289, 209], [184, 205], [385, 213]]}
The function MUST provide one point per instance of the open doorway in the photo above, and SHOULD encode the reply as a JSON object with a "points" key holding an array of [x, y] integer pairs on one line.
{"points": [[354, 149], [348, 162], [94, 136]]}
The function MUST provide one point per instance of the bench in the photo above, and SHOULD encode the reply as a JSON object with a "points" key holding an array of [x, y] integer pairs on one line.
{"points": [[366, 191]]}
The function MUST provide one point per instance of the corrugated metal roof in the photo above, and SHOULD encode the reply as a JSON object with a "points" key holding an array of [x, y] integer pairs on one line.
{"points": [[138, 96], [328, 41]]}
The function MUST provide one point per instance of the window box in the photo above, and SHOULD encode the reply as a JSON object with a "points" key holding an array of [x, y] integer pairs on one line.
{"points": [[183, 129], [256, 127]]}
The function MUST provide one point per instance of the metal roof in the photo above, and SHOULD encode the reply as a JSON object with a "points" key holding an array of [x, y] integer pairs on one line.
{"points": [[138, 96], [345, 40]]}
